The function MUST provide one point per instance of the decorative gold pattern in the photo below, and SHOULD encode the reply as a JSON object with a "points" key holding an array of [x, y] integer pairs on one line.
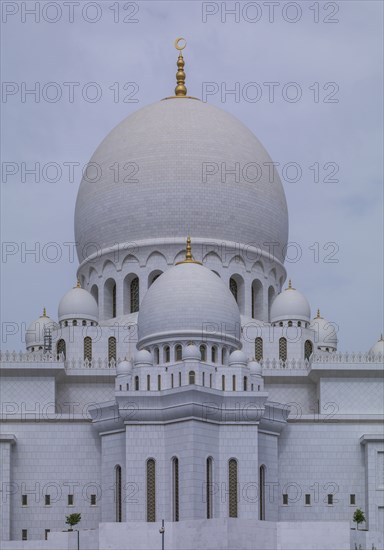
{"points": [[88, 348], [151, 490], [232, 487], [189, 259], [283, 349], [111, 348], [259, 349]]}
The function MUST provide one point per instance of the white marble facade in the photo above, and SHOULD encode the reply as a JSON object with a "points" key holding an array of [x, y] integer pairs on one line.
{"points": [[200, 391]]}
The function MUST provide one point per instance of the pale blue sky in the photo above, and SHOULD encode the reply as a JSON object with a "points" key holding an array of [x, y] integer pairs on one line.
{"points": [[347, 133]]}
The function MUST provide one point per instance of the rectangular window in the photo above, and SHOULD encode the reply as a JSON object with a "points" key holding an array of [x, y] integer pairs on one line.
{"points": [[171, 380], [352, 500], [93, 500], [285, 500], [307, 500], [46, 533], [330, 500], [70, 500], [24, 534], [47, 500], [24, 500]]}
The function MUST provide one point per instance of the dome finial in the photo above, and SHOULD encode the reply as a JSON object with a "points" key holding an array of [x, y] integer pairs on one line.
{"points": [[189, 259], [289, 287], [318, 316], [180, 90], [78, 285], [44, 312]]}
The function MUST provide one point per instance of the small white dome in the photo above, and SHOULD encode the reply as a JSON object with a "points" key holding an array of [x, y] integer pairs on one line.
{"points": [[237, 357], [325, 333], [290, 305], [378, 348], [143, 357], [124, 367], [189, 301], [78, 304], [191, 351], [254, 367], [34, 335]]}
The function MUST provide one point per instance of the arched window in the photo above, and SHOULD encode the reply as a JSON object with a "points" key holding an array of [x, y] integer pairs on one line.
{"points": [[148, 382], [290, 323], [74, 323], [84, 323], [114, 300], [191, 377], [232, 488], [167, 354], [137, 383], [118, 493], [203, 353], [223, 382], [214, 354], [262, 492], [175, 488], [61, 347], [134, 294], [257, 299], [283, 349], [178, 352], [88, 348], [151, 490], [111, 348], [95, 292], [233, 288], [158, 382], [245, 383], [223, 356], [209, 487], [308, 349], [259, 349], [299, 323], [156, 355], [271, 296], [233, 382]]}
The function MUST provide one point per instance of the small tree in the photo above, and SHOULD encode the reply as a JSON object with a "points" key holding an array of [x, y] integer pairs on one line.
{"points": [[73, 519], [358, 517]]}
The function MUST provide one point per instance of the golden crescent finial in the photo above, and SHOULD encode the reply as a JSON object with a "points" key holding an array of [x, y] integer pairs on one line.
{"points": [[177, 43]]}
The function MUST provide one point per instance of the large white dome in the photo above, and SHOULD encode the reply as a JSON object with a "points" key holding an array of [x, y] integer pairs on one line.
{"points": [[34, 336], [162, 151], [191, 302]]}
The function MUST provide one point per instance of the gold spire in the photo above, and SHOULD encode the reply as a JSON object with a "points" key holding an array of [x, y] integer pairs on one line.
{"points": [[44, 312], [180, 89], [78, 285], [318, 316], [189, 259], [290, 287]]}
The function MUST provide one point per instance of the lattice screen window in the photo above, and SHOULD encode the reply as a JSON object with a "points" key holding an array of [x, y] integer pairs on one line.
{"points": [[259, 348], [118, 493], [88, 348], [114, 300], [233, 287], [175, 488], [308, 349], [151, 490], [283, 349], [134, 291], [111, 348], [232, 487], [61, 347], [209, 487]]}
